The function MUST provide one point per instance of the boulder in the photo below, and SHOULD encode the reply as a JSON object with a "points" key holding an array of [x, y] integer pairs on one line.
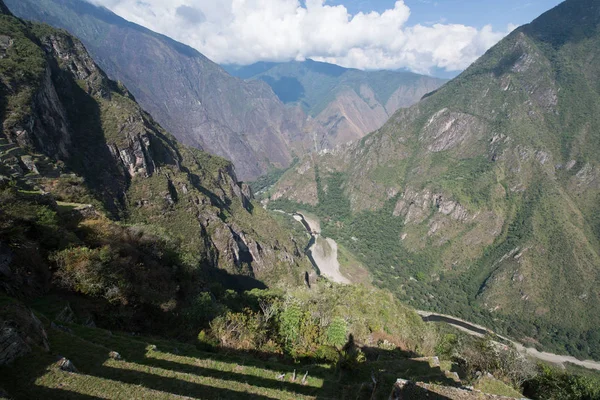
{"points": [[66, 365], [66, 315], [20, 329]]}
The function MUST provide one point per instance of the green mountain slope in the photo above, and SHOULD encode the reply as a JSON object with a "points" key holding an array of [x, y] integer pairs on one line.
{"points": [[482, 200], [72, 137], [192, 97], [349, 103], [124, 255]]}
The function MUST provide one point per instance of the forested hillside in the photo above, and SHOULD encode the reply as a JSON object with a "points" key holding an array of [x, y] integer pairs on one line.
{"points": [[482, 200]]}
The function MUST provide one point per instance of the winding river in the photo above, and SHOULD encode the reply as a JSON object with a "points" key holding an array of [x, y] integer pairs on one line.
{"points": [[321, 251]]}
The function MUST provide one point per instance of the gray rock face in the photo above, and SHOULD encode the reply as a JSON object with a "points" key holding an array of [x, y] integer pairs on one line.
{"points": [[12, 346], [66, 365], [19, 330]]}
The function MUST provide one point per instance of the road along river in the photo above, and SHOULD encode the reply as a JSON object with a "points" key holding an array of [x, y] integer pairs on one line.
{"points": [[323, 254], [478, 330]]}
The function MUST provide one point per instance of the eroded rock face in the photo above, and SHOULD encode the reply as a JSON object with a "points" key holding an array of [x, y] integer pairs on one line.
{"points": [[5, 43], [449, 129], [415, 207], [20, 329], [12, 346], [94, 129]]}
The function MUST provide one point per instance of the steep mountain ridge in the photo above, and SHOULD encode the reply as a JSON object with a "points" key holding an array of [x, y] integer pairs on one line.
{"points": [[348, 103], [486, 191], [192, 97], [71, 132]]}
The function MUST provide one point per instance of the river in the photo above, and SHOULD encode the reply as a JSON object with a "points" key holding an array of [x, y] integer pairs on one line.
{"points": [[321, 251], [323, 254]]}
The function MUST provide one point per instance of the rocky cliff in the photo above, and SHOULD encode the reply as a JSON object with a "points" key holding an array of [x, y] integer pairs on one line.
{"points": [[482, 199], [71, 132], [188, 94]]}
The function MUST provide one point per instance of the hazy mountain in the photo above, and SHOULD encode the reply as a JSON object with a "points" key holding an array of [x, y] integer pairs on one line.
{"points": [[348, 103], [483, 200], [192, 97]]}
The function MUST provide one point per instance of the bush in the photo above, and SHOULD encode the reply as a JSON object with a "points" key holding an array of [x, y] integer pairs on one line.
{"points": [[203, 310], [243, 330], [502, 361], [85, 270], [556, 385], [447, 346], [352, 358], [327, 353], [337, 332]]}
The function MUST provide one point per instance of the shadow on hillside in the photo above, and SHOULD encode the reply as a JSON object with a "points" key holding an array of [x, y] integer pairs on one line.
{"points": [[412, 391], [226, 373], [273, 383], [63, 394], [180, 387]]}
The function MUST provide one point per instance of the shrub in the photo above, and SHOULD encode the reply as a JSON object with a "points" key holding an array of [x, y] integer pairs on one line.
{"points": [[550, 384], [337, 332], [446, 346], [203, 310], [239, 330], [289, 323], [83, 269], [327, 353]]}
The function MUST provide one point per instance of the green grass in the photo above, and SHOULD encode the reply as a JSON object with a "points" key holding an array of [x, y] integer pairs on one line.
{"points": [[494, 386], [66, 206], [160, 369]]}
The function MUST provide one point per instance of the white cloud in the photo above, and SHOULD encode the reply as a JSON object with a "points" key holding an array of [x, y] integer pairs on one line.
{"points": [[246, 31]]}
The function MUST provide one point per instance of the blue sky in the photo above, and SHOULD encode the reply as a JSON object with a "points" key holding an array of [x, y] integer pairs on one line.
{"points": [[477, 13], [440, 37]]}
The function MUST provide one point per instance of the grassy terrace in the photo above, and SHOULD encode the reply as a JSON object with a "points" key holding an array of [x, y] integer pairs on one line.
{"points": [[158, 369]]}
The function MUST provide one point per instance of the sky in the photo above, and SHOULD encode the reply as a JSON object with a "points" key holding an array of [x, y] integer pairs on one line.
{"points": [[425, 36]]}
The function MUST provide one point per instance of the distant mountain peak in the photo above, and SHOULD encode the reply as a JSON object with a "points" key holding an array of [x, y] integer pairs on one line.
{"points": [[570, 21], [3, 9], [502, 161]]}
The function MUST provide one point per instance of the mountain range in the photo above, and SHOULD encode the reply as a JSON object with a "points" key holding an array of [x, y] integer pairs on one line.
{"points": [[348, 103], [482, 200], [204, 106], [135, 266]]}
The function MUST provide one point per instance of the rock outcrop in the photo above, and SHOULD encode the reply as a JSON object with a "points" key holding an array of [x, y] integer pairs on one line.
{"points": [[20, 329], [80, 126]]}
